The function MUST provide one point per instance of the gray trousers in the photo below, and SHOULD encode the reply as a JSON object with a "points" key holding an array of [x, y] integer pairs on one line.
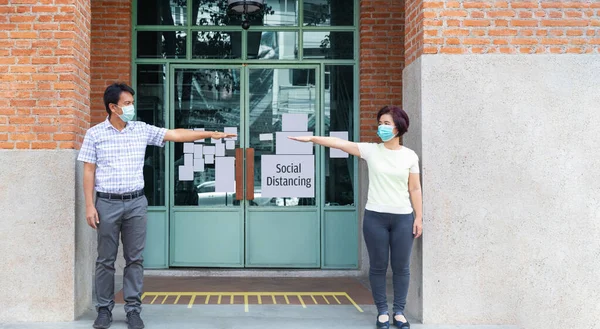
{"points": [[128, 219], [383, 233]]}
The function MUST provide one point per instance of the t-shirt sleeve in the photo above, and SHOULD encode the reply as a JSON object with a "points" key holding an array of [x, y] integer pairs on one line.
{"points": [[366, 149], [155, 135], [414, 168], [87, 153]]}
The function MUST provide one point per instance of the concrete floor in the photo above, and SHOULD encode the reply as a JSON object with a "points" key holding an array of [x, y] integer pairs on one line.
{"points": [[233, 316]]}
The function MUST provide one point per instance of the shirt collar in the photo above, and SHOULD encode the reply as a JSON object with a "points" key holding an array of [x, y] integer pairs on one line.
{"points": [[108, 125]]}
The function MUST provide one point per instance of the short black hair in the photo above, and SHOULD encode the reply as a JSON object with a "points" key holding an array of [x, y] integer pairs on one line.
{"points": [[112, 94], [398, 115]]}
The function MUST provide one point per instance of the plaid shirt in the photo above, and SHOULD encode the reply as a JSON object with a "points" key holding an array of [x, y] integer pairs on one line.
{"points": [[119, 155]]}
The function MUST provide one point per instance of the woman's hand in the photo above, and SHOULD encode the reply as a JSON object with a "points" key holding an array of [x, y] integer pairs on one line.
{"points": [[302, 139], [418, 227]]}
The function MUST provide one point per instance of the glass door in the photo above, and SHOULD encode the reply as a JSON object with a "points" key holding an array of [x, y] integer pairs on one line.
{"points": [[282, 221], [248, 201], [207, 217]]}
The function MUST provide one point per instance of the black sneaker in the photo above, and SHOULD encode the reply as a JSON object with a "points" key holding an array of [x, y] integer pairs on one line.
{"points": [[104, 319], [134, 321]]}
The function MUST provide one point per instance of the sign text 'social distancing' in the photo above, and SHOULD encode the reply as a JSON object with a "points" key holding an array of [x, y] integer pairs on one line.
{"points": [[288, 176]]}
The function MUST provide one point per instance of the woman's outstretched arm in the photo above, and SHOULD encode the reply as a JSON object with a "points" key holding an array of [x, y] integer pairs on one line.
{"points": [[333, 142]]}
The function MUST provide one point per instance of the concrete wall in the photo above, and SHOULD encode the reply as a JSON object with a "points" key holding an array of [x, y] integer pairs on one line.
{"points": [[511, 189], [45, 271]]}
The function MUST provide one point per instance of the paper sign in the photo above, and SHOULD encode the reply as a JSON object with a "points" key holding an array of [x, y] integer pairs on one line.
{"points": [[220, 152], [335, 153], [225, 174], [186, 173], [294, 122], [198, 151], [265, 137], [209, 150], [188, 147], [198, 165], [230, 145], [288, 176], [231, 130], [216, 141], [188, 160], [209, 159], [284, 145]]}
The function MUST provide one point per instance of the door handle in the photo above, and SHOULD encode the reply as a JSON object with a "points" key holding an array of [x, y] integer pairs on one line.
{"points": [[239, 174], [249, 174]]}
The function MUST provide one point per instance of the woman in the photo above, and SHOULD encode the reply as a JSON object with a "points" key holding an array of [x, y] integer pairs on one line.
{"points": [[393, 214]]}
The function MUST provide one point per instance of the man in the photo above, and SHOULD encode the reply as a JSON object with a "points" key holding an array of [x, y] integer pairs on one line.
{"points": [[113, 153]]}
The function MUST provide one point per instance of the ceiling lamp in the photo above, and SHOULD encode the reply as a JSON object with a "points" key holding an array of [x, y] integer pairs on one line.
{"points": [[245, 8]]}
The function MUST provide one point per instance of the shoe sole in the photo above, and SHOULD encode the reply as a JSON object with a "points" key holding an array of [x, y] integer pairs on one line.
{"points": [[102, 327]]}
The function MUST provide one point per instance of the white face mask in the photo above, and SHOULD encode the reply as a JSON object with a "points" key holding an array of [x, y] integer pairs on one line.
{"points": [[128, 113]]}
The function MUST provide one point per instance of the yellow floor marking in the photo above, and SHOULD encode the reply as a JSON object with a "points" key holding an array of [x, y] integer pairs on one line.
{"points": [[336, 299], [353, 303], [246, 295], [301, 301]]}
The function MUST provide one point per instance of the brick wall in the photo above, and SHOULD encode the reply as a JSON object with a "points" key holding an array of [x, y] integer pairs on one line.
{"points": [[511, 27], [111, 50], [381, 60], [44, 73], [413, 41]]}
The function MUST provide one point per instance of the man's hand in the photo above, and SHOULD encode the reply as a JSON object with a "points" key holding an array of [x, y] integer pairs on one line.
{"points": [[219, 135], [91, 215], [303, 139]]}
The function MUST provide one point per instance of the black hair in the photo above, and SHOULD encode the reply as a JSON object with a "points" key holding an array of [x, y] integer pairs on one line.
{"points": [[398, 115], [112, 94]]}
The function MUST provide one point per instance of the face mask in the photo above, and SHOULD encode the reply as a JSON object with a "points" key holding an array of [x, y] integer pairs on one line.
{"points": [[128, 113], [385, 132]]}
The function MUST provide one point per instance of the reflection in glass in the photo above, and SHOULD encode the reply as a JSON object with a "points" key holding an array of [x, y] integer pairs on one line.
{"points": [[209, 99], [328, 13], [273, 93], [339, 109], [214, 12], [162, 44], [150, 104], [328, 45], [216, 44], [275, 45], [162, 12]]}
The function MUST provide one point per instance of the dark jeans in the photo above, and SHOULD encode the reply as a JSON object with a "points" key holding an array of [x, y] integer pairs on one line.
{"points": [[384, 232], [126, 218]]}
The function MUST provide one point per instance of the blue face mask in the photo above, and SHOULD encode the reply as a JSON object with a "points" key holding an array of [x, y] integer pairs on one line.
{"points": [[128, 113], [385, 132]]}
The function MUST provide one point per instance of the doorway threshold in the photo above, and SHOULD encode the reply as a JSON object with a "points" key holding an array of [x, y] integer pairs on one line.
{"points": [[254, 273]]}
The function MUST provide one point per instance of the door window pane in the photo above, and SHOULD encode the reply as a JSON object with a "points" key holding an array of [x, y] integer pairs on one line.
{"points": [[328, 45], [276, 13], [161, 44], [216, 44], [274, 95], [272, 45], [205, 99], [151, 95], [339, 111], [162, 12], [328, 13]]}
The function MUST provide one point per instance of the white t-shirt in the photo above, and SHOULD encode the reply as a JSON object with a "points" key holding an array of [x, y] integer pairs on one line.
{"points": [[388, 177]]}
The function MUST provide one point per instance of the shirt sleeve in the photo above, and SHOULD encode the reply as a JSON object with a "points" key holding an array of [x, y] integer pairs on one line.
{"points": [[366, 149], [155, 135], [87, 153], [414, 168]]}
